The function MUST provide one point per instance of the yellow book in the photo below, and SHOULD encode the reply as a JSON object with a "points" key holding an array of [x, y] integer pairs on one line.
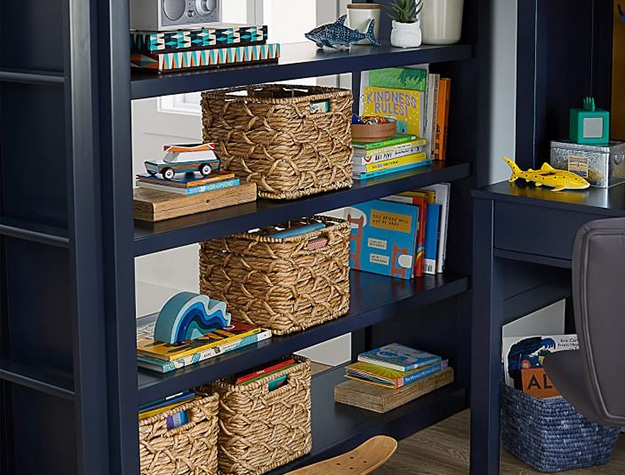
{"points": [[407, 106], [392, 163]]}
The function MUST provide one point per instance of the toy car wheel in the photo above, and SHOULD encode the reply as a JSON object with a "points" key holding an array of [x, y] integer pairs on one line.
{"points": [[168, 173], [151, 172], [205, 169]]}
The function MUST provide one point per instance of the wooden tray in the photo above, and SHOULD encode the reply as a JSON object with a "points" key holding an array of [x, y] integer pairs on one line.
{"points": [[379, 399], [154, 205], [373, 132]]}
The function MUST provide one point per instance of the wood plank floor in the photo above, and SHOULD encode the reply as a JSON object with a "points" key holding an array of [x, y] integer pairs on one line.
{"points": [[443, 449]]}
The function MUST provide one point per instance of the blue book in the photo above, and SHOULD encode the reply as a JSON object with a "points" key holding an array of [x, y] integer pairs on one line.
{"points": [[194, 190], [383, 237], [386, 171], [399, 357], [432, 219]]}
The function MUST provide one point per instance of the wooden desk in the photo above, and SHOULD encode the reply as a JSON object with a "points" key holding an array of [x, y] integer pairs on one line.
{"points": [[522, 241]]}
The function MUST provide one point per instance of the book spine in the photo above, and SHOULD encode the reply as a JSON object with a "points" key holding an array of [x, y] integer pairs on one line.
{"points": [[167, 366], [437, 79], [393, 163], [442, 118], [218, 185], [365, 175], [386, 143], [426, 362], [364, 157], [429, 114], [431, 238], [425, 372]]}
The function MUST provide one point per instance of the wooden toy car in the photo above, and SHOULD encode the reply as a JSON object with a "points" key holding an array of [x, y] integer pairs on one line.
{"points": [[184, 158]]}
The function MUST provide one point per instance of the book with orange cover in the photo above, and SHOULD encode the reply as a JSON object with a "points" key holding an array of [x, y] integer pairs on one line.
{"points": [[442, 119]]}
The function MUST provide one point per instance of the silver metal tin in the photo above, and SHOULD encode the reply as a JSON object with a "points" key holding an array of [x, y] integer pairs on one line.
{"points": [[602, 165]]}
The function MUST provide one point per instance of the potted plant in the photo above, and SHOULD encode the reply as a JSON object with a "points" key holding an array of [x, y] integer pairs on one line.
{"points": [[406, 29], [441, 21]]}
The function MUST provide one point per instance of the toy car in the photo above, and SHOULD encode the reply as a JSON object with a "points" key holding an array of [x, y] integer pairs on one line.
{"points": [[185, 158]]}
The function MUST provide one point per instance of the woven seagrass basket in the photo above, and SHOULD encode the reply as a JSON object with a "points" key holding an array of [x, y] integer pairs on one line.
{"points": [[286, 284], [188, 449], [262, 429], [291, 140], [550, 435]]}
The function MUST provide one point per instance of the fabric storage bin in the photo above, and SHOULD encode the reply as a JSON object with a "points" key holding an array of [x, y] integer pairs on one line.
{"points": [[550, 435], [291, 141], [190, 448], [262, 429], [285, 284]]}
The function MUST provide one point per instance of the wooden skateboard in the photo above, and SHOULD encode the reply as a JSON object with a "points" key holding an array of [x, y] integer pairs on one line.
{"points": [[362, 460]]}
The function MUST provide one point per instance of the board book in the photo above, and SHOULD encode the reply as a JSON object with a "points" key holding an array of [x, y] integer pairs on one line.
{"points": [[383, 237], [398, 357], [147, 346], [389, 378], [406, 106], [381, 400]]}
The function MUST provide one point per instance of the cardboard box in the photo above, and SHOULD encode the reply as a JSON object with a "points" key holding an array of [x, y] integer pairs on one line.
{"points": [[602, 165]]}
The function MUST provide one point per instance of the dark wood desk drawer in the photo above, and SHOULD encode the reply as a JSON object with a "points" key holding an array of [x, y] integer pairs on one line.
{"points": [[541, 231]]}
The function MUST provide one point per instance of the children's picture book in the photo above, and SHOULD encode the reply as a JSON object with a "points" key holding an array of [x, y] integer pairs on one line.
{"points": [[390, 378], [383, 237], [405, 105], [430, 254], [442, 191], [162, 366], [366, 157], [527, 352], [392, 163], [147, 346], [398, 357], [442, 119], [400, 78]]}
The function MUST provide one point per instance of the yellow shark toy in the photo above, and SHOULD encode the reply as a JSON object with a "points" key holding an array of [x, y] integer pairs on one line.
{"points": [[558, 180]]}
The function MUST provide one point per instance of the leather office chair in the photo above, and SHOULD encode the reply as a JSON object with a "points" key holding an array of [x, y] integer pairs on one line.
{"points": [[592, 378], [362, 460]]}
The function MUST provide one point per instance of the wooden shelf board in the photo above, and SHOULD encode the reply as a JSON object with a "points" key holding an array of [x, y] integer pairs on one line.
{"points": [[374, 298], [154, 237], [297, 60]]}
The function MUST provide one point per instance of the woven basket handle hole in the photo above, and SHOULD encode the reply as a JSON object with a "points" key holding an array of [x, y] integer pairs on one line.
{"points": [[318, 242]]}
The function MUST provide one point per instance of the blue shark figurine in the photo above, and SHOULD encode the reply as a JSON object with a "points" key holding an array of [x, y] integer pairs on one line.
{"points": [[337, 34]]}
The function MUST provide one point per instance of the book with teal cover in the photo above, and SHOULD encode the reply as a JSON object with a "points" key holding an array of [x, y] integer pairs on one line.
{"points": [[390, 378], [399, 78], [398, 357], [383, 237]]}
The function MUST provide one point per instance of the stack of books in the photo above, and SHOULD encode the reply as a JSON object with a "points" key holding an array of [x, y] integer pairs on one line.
{"points": [[403, 235], [165, 357], [188, 183], [402, 152], [391, 375], [211, 46]]}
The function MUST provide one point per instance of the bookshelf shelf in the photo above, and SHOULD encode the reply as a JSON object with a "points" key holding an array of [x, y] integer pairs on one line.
{"points": [[338, 427], [374, 299], [297, 61], [153, 237]]}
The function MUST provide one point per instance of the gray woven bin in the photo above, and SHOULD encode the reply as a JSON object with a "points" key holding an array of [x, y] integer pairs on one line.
{"points": [[550, 435]]}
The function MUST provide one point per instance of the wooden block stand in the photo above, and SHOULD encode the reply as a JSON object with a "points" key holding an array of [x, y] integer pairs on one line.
{"points": [[154, 205]]}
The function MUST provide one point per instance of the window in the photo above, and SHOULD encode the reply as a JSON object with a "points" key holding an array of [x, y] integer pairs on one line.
{"points": [[287, 21]]}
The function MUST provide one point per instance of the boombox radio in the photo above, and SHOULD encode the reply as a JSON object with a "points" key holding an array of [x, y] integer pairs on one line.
{"points": [[163, 15]]}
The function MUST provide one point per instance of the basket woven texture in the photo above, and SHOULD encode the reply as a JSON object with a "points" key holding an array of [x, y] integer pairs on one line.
{"points": [[188, 449], [271, 135], [550, 435], [261, 429], [284, 284]]}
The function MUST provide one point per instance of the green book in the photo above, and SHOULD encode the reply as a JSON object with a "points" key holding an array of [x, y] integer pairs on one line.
{"points": [[399, 138], [399, 78]]}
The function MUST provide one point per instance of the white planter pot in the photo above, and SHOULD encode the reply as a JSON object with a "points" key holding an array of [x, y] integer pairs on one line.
{"points": [[406, 35], [441, 21]]}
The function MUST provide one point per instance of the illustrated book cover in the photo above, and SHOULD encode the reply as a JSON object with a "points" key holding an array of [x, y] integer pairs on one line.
{"points": [[405, 105], [147, 346], [389, 378], [526, 353], [383, 237], [399, 357]]}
